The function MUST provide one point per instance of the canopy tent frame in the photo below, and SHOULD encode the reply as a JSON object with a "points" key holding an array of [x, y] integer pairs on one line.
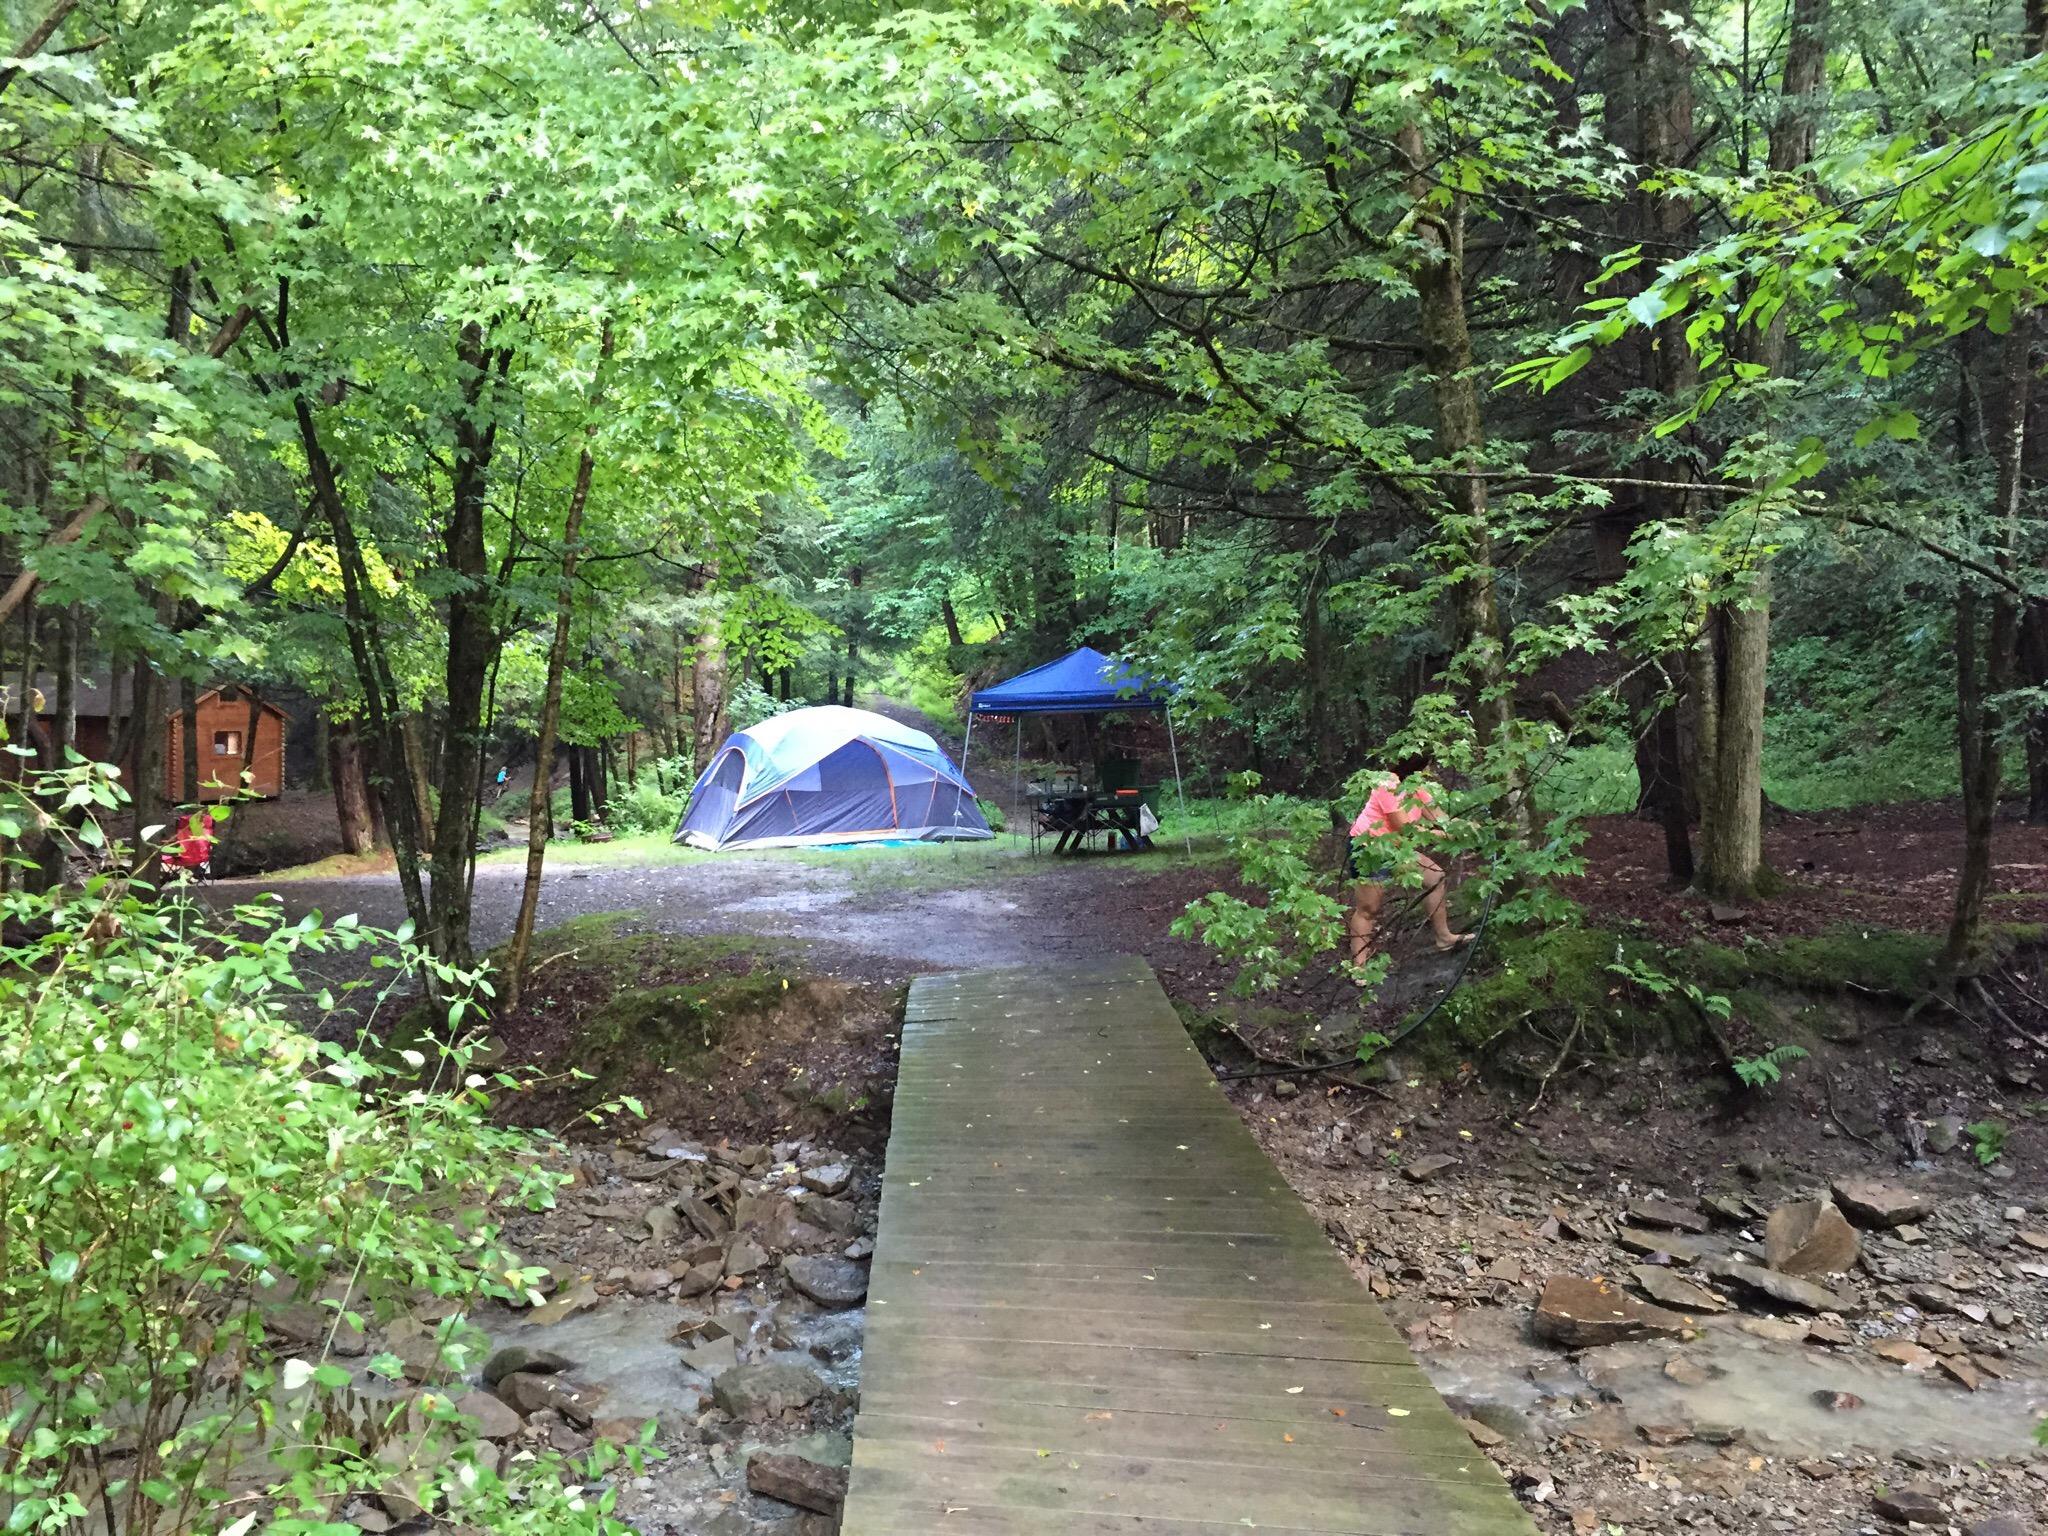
{"points": [[1083, 682]]}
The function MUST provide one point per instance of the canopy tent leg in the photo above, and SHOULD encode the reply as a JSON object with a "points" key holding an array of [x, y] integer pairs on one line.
{"points": [[966, 751], [1017, 780], [1179, 792]]}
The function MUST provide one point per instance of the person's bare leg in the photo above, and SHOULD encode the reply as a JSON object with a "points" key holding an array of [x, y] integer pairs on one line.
{"points": [[1433, 904], [1363, 920]]}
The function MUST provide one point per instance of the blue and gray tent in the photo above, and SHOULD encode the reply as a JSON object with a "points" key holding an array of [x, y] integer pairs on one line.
{"points": [[829, 775]]}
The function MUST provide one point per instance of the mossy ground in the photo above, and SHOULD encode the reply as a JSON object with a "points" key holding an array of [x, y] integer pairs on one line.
{"points": [[1607, 994], [616, 1000]]}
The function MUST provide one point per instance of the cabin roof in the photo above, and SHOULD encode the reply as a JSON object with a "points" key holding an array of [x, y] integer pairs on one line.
{"points": [[95, 697]]}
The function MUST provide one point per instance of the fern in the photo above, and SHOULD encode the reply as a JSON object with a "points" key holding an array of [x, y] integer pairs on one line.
{"points": [[1759, 1071]]}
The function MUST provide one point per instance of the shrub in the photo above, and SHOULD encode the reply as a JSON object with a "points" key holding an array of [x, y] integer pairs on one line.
{"points": [[646, 808], [178, 1162]]}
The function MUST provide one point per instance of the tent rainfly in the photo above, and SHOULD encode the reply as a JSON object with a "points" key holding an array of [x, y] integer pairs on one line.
{"points": [[829, 775], [1082, 682]]}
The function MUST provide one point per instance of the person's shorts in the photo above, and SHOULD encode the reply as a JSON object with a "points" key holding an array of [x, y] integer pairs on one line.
{"points": [[1354, 871]]}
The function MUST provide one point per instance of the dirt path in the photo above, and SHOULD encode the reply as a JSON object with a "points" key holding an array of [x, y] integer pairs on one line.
{"points": [[884, 928]]}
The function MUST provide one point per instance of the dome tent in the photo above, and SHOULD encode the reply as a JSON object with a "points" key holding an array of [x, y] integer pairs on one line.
{"points": [[828, 775]]}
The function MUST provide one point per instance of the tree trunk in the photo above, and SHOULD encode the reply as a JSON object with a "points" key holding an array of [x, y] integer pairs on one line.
{"points": [[412, 731], [472, 640], [538, 820], [319, 778], [351, 791], [393, 811], [952, 619], [188, 741], [64, 737], [707, 692], [600, 780], [1668, 138], [253, 723], [1731, 811], [1439, 277], [145, 754], [579, 786], [24, 730], [1985, 664]]}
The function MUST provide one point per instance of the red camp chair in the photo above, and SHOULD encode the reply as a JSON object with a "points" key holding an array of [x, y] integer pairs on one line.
{"points": [[190, 853]]}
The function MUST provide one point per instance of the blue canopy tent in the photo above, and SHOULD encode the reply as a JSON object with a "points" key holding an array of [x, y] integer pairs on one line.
{"points": [[829, 775], [1081, 682]]}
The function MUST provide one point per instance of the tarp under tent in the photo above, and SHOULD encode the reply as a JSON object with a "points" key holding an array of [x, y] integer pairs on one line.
{"points": [[1080, 682], [829, 775]]}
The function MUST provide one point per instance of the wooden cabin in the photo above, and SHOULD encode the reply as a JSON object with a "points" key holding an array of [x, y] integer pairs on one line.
{"points": [[224, 715]]}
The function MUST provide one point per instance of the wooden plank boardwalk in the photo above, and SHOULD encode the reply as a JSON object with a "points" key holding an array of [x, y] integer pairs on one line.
{"points": [[1098, 1310]]}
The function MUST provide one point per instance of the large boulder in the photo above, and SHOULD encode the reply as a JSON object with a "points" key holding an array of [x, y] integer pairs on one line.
{"points": [[1810, 1237], [1578, 1312]]}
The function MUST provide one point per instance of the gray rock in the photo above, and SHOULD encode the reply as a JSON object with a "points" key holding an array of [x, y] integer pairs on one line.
{"points": [[703, 1215], [580, 1299], [1428, 1167], [1945, 1133], [1792, 1291], [700, 1278], [712, 1356], [1666, 1213], [494, 1418], [528, 1394], [827, 1178], [827, 1281], [663, 1224], [645, 1282], [758, 1392], [841, 1217], [1673, 1244], [1674, 1291], [517, 1357], [1876, 1203], [2003, 1523], [744, 1256], [1810, 1237], [792, 1479], [1914, 1506], [308, 1323]]}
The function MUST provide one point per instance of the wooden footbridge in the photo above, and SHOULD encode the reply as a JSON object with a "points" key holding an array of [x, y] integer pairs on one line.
{"points": [[1097, 1309]]}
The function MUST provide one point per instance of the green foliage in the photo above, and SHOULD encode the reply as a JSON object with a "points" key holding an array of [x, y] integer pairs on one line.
{"points": [[750, 704], [1987, 1139], [1639, 972], [646, 808], [1301, 920], [1767, 1067], [178, 1160]]}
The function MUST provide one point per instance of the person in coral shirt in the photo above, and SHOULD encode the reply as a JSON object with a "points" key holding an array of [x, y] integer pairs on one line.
{"points": [[1388, 809]]}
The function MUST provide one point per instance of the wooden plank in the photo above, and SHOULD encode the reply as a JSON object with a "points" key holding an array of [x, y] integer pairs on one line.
{"points": [[1095, 1309]]}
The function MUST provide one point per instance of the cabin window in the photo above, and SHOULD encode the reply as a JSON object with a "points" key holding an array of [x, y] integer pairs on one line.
{"points": [[227, 743]]}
